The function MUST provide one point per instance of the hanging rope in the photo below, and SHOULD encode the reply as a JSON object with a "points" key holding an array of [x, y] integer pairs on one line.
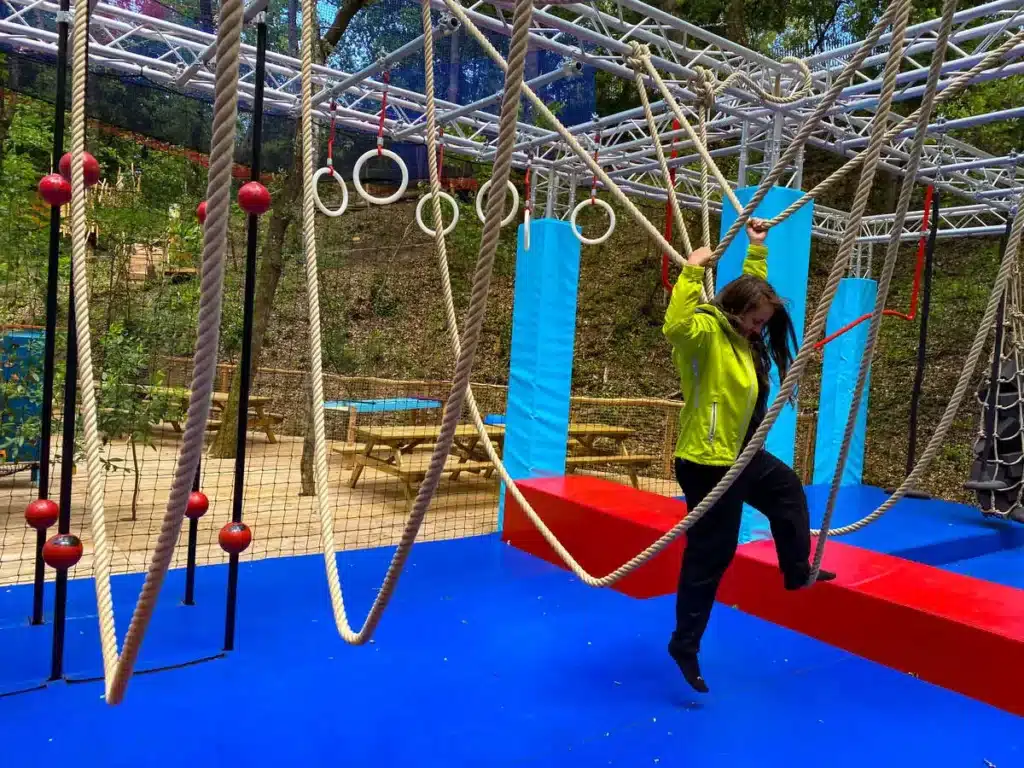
{"points": [[898, 9], [707, 83], [117, 669], [957, 86], [907, 187], [640, 61], [665, 282], [477, 307]]}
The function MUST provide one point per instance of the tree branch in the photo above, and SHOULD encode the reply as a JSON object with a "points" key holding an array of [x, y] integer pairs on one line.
{"points": [[341, 21]]}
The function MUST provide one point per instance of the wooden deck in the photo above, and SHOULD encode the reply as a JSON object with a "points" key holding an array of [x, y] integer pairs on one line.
{"points": [[283, 522]]}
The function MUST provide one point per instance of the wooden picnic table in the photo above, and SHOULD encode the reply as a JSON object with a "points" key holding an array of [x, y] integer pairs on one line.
{"points": [[259, 419], [397, 443], [389, 449]]}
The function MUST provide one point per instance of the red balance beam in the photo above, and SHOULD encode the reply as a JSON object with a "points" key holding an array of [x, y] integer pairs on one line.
{"points": [[955, 631]]}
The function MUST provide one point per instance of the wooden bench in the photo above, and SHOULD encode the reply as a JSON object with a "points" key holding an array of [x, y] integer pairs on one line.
{"points": [[632, 463], [262, 422], [411, 477]]}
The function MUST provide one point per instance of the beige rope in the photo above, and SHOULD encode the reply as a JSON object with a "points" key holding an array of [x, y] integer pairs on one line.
{"points": [[958, 85], [522, 16], [902, 8], [117, 670], [641, 59], [706, 80], [810, 124], [963, 384], [659, 151], [907, 187]]}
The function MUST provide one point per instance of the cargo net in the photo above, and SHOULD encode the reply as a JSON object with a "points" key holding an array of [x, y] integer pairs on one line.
{"points": [[997, 475]]}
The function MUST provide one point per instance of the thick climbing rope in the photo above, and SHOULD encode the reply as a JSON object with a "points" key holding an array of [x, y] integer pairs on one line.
{"points": [[955, 87], [522, 16], [706, 82], [1006, 267], [668, 174], [907, 188], [817, 326], [640, 61], [898, 10], [117, 669]]}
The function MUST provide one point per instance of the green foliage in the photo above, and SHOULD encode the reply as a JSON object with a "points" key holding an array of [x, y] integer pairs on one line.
{"points": [[21, 394], [129, 412]]}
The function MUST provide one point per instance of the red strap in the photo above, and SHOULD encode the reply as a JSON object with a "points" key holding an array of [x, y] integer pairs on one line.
{"points": [[529, 168], [383, 113], [330, 139]]}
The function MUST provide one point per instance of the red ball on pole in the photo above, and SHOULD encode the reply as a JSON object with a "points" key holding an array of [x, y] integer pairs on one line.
{"points": [[62, 551], [254, 198], [41, 514], [235, 538], [201, 212], [197, 505], [90, 168], [55, 190]]}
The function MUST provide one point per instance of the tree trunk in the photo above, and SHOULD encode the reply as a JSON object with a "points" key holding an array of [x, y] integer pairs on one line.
{"points": [[735, 21], [138, 480], [206, 15], [454, 68], [308, 447], [293, 29], [272, 257], [271, 267]]}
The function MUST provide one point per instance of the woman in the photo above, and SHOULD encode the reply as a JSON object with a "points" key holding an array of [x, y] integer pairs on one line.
{"points": [[723, 352]]}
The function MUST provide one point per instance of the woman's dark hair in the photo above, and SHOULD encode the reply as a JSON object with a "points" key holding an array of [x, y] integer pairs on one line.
{"points": [[778, 338]]}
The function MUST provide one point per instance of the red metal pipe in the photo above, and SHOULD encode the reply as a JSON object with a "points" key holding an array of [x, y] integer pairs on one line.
{"points": [[914, 291]]}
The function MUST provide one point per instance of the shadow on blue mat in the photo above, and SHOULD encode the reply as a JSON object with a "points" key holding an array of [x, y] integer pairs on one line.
{"points": [[178, 635]]}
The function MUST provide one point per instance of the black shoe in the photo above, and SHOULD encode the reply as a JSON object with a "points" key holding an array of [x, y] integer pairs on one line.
{"points": [[824, 575], [802, 582], [687, 663]]}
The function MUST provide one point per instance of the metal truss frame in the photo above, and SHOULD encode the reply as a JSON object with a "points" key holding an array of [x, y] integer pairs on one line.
{"points": [[745, 134]]}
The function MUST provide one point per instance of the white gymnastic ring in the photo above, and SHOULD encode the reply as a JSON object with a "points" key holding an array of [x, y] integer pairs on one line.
{"points": [[526, 229], [359, 185], [419, 213], [611, 221], [515, 202], [328, 170]]}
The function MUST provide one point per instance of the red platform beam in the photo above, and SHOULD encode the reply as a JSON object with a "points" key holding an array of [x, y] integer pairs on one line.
{"points": [[958, 632], [955, 631]]}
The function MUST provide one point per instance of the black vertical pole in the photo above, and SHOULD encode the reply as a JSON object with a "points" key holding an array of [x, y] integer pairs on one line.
{"points": [[52, 279], [193, 533], [67, 460], [922, 336], [245, 363]]}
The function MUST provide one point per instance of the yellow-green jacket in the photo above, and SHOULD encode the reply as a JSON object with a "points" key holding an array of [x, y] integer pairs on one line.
{"points": [[717, 376]]}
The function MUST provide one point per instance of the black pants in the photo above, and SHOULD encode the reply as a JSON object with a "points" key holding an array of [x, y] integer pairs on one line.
{"points": [[773, 489]]}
